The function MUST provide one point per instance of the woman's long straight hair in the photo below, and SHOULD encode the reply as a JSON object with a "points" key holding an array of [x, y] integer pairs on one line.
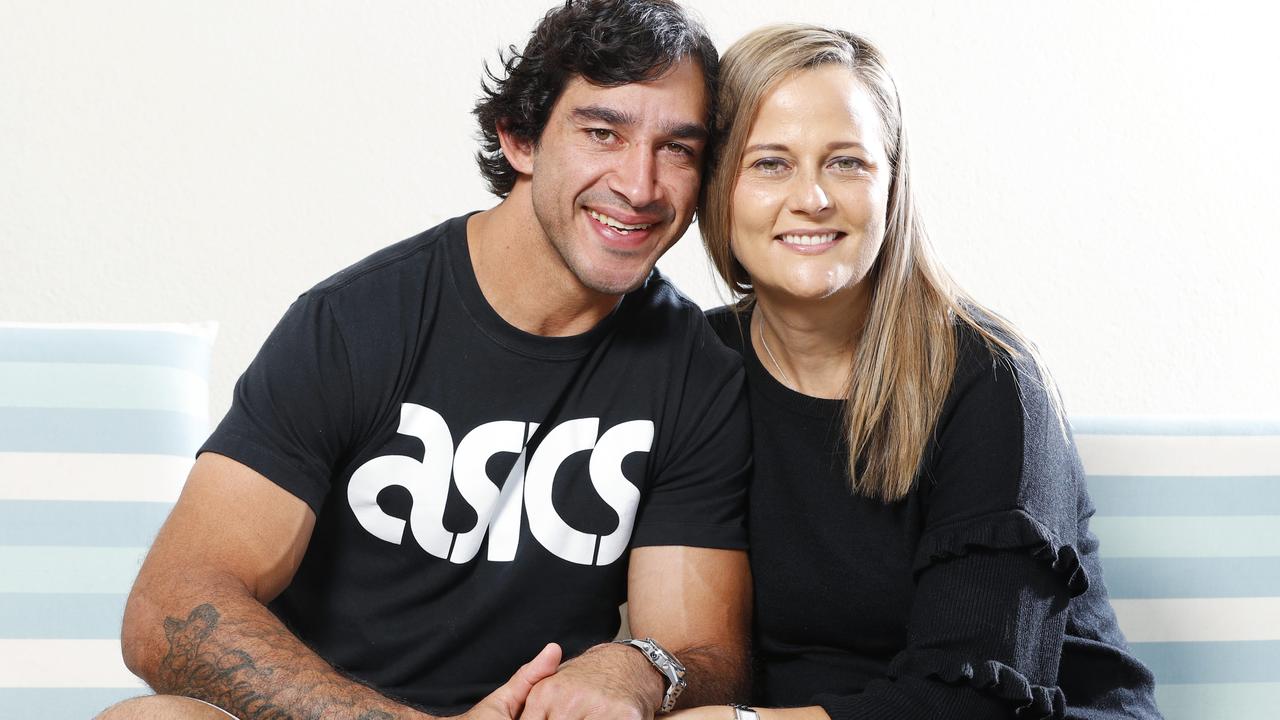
{"points": [[906, 355]]}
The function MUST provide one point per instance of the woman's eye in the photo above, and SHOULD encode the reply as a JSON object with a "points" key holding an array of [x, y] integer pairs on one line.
{"points": [[769, 165], [848, 163]]}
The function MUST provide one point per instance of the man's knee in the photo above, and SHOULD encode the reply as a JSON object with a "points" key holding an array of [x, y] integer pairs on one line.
{"points": [[162, 707]]}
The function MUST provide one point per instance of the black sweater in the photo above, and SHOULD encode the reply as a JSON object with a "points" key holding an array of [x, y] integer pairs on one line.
{"points": [[978, 595]]}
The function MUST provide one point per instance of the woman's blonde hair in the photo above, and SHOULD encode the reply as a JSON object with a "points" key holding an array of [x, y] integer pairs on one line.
{"points": [[906, 355]]}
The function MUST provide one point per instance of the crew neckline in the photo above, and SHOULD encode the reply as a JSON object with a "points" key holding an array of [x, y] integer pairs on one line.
{"points": [[773, 389], [493, 326]]}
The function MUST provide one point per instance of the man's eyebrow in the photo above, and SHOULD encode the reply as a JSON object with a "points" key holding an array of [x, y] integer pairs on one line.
{"points": [[600, 113], [686, 131], [612, 116]]}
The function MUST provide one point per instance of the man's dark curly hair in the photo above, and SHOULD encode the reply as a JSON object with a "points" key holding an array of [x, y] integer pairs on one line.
{"points": [[607, 42]]}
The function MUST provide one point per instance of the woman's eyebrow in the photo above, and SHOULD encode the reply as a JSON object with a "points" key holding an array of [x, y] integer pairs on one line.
{"points": [[779, 147], [770, 147]]}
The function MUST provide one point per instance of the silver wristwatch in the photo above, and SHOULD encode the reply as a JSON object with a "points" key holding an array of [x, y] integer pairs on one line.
{"points": [[665, 663], [742, 712]]}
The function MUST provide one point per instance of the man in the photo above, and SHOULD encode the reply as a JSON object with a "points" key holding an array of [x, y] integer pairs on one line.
{"points": [[481, 440]]}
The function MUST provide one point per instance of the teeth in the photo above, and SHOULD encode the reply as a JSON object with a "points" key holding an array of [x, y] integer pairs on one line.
{"points": [[605, 219], [808, 239]]}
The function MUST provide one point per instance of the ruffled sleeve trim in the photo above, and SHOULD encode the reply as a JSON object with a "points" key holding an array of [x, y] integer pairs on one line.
{"points": [[1032, 702], [1007, 530]]}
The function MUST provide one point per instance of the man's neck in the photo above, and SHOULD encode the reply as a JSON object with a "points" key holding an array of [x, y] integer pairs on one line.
{"points": [[522, 276]]}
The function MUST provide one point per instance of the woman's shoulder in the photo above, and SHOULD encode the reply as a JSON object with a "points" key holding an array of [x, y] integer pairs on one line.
{"points": [[985, 341], [1002, 472], [1004, 415], [998, 367], [1002, 433]]}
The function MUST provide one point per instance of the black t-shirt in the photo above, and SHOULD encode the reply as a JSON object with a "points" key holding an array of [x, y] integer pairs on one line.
{"points": [[477, 487], [978, 595]]}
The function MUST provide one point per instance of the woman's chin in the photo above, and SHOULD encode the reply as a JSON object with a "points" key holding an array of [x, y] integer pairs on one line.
{"points": [[807, 291]]}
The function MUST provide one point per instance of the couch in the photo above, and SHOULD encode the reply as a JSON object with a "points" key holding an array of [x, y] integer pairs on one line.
{"points": [[98, 425]]}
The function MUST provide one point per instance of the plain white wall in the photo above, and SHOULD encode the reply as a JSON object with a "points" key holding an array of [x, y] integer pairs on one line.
{"points": [[1104, 173]]}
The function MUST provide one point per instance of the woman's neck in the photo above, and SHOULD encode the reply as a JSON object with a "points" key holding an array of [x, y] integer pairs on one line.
{"points": [[809, 345]]}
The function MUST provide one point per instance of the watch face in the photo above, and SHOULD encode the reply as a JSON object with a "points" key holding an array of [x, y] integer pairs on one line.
{"points": [[679, 666], [666, 664]]}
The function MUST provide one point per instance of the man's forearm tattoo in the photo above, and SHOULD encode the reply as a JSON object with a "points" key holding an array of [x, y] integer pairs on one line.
{"points": [[204, 670], [228, 678]]}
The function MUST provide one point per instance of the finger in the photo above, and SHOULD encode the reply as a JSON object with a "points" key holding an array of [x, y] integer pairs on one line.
{"points": [[511, 696], [543, 665]]}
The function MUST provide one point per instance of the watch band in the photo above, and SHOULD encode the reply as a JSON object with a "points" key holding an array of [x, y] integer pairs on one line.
{"points": [[744, 712], [666, 664]]}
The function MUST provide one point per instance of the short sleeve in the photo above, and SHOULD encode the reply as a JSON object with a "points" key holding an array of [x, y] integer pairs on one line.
{"points": [[291, 414], [698, 494], [997, 562]]}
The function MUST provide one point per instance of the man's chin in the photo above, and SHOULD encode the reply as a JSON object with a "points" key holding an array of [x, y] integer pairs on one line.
{"points": [[609, 273], [619, 283], [614, 288]]}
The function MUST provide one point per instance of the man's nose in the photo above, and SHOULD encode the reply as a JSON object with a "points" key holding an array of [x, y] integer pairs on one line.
{"points": [[636, 177]]}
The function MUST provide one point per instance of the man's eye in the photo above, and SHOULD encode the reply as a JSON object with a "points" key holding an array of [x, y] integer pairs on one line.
{"points": [[679, 149], [601, 135]]}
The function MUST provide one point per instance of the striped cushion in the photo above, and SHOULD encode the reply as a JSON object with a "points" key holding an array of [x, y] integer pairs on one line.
{"points": [[98, 426], [1189, 521]]}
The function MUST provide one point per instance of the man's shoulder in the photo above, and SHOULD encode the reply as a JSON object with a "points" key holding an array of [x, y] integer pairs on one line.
{"points": [[730, 323], [408, 260], [660, 295], [660, 311]]}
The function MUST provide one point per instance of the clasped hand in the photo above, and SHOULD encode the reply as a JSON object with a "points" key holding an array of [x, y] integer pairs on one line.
{"points": [[608, 682]]}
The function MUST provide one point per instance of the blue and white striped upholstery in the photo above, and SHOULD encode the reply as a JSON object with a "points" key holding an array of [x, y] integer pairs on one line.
{"points": [[1189, 521], [98, 425]]}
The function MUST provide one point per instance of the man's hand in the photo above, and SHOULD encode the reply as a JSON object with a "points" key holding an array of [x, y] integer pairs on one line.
{"points": [[607, 682], [506, 702]]}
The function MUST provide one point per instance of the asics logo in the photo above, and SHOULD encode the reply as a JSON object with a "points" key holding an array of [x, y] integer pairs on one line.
{"points": [[499, 507]]}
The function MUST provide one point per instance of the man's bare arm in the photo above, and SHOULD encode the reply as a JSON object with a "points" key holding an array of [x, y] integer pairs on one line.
{"points": [[196, 623], [696, 603]]}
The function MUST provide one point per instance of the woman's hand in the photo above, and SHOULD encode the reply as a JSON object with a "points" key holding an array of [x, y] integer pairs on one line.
{"points": [[724, 712], [706, 712]]}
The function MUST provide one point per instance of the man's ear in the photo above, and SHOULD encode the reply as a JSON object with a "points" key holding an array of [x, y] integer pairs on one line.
{"points": [[517, 151]]}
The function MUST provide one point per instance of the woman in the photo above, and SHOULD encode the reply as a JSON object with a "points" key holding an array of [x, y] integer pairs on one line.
{"points": [[945, 568]]}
